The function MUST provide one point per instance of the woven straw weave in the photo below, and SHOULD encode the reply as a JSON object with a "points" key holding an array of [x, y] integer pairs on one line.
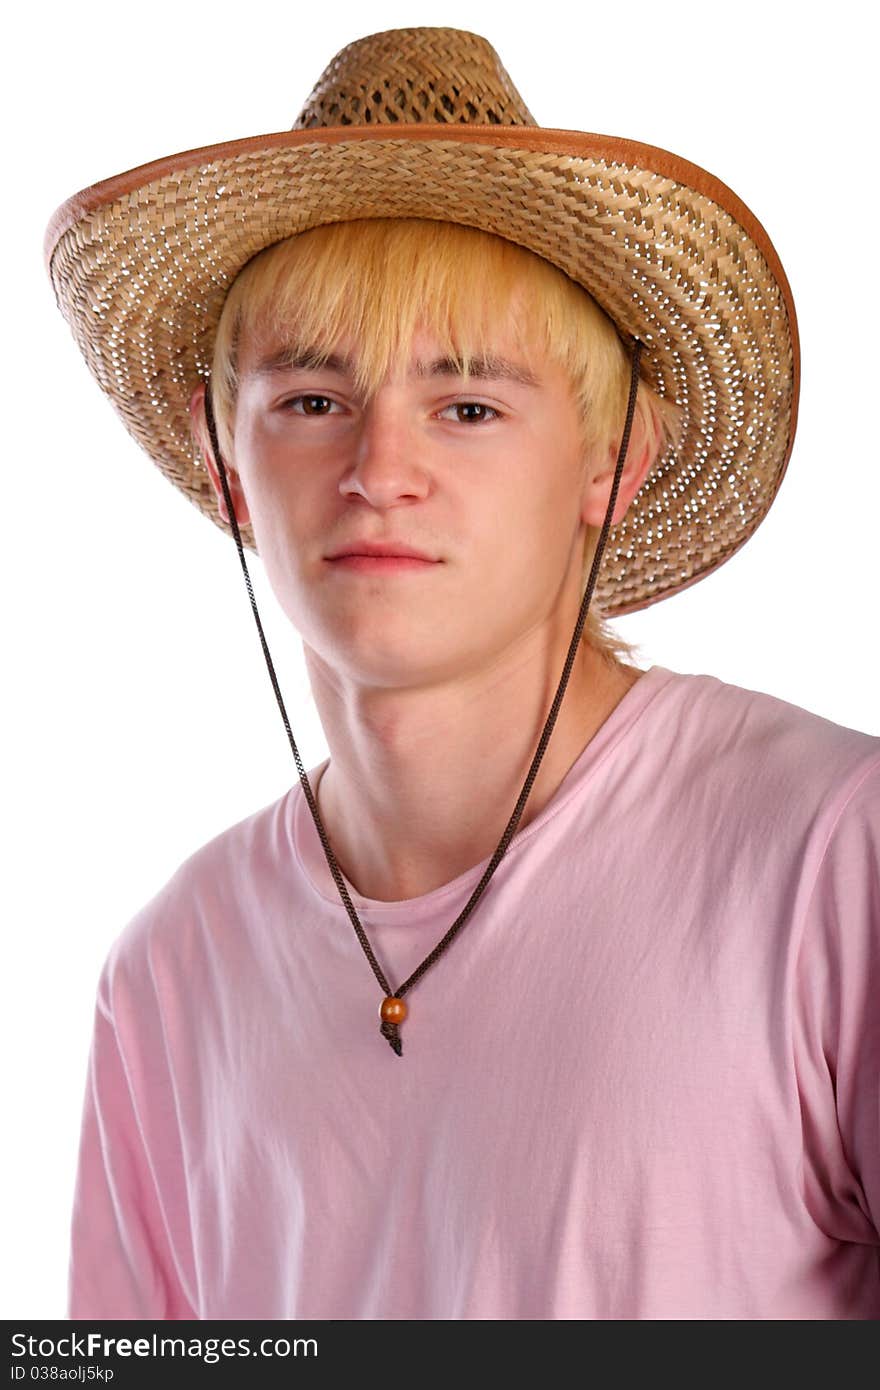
{"points": [[426, 123]]}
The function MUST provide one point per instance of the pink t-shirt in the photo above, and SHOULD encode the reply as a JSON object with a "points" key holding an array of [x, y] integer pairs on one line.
{"points": [[642, 1082]]}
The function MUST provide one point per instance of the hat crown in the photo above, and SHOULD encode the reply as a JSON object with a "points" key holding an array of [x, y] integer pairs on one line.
{"points": [[434, 75]]}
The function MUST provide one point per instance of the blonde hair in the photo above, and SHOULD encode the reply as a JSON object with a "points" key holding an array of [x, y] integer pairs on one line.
{"points": [[378, 280]]}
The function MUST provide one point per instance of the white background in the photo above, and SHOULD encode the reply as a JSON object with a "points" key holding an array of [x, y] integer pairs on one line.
{"points": [[139, 719]]}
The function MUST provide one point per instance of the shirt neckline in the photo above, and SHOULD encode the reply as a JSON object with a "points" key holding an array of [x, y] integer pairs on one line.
{"points": [[312, 860]]}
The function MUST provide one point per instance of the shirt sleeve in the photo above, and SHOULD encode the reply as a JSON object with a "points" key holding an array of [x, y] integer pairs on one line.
{"points": [[121, 1263], [837, 1023]]}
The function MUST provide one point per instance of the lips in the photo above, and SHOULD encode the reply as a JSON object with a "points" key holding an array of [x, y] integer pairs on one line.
{"points": [[381, 550]]}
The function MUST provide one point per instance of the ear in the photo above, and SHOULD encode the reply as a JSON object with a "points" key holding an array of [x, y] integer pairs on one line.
{"points": [[641, 455], [200, 429]]}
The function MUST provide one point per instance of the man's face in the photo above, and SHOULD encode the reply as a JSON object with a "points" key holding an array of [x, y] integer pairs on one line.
{"points": [[488, 480]]}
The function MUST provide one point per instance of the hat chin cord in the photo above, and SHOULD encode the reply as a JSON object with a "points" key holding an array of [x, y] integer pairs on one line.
{"points": [[393, 1009]]}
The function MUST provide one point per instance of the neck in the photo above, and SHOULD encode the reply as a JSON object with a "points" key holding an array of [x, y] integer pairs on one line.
{"points": [[422, 783]]}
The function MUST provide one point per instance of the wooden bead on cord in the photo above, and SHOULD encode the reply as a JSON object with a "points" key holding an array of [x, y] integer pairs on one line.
{"points": [[393, 1010]]}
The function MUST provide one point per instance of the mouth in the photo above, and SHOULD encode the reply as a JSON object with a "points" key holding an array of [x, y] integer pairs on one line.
{"points": [[379, 550], [379, 564]]}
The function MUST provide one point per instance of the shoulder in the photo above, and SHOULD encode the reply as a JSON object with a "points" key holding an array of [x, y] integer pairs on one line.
{"points": [[759, 782], [210, 893], [768, 743]]}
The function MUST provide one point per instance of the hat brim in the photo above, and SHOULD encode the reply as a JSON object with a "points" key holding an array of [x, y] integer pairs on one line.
{"points": [[141, 264]]}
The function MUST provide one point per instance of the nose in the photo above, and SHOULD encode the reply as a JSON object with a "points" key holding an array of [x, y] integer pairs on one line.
{"points": [[386, 466]]}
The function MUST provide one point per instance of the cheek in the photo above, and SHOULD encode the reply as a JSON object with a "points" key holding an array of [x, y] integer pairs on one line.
{"points": [[280, 489], [548, 502], [548, 538], [258, 455]]}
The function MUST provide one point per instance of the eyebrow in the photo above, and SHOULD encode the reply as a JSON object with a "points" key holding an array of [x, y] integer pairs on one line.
{"points": [[489, 368]]}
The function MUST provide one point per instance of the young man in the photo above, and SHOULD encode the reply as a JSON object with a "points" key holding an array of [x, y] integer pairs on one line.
{"points": [[625, 942]]}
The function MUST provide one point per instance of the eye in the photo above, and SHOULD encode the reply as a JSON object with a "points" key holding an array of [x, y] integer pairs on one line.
{"points": [[293, 400], [312, 398], [479, 405]]}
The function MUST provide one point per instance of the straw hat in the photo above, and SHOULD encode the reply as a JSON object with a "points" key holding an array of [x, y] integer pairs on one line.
{"points": [[426, 123]]}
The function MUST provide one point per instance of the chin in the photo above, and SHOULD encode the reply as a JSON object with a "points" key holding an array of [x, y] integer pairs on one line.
{"points": [[375, 660]]}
